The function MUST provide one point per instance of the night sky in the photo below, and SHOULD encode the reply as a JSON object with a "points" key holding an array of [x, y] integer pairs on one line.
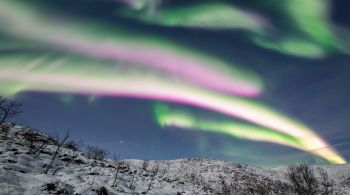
{"points": [[257, 82]]}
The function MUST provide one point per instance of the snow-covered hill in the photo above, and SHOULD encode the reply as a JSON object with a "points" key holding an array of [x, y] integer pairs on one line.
{"points": [[23, 164]]}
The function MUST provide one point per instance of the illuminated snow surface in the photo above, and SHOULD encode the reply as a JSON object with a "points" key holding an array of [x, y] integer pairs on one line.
{"points": [[22, 173]]}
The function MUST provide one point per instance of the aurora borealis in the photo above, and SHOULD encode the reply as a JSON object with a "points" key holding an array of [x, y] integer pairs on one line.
{"points": [[200, 69]]}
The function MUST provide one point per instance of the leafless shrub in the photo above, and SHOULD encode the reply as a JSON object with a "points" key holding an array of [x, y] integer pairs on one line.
{"points": [[8, 109], [35, 142], [118, 166], [96, 152], [59, 143], [303, 179]]}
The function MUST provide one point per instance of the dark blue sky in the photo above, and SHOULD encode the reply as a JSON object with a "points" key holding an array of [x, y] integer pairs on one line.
{"points": [[316, 92]]}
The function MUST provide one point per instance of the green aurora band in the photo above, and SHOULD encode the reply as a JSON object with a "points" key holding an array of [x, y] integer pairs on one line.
{"points": [[311, 17], [206, 15], [166, 116], [311, 36]]}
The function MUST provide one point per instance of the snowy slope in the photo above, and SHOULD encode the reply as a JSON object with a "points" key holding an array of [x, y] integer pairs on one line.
{"points": [[22, 172]]}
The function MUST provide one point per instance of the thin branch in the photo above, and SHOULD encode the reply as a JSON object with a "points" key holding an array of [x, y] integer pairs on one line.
{"points": [[59, 144]]}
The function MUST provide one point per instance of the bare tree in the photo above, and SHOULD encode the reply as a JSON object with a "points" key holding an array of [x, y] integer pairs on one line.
{"points": [[96, 152], [59, 143], [118, 166], [8, 109], [303, 179]]}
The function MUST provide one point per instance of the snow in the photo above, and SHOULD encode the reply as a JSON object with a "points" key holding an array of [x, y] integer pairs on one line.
{"points": [[23, 173]]}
